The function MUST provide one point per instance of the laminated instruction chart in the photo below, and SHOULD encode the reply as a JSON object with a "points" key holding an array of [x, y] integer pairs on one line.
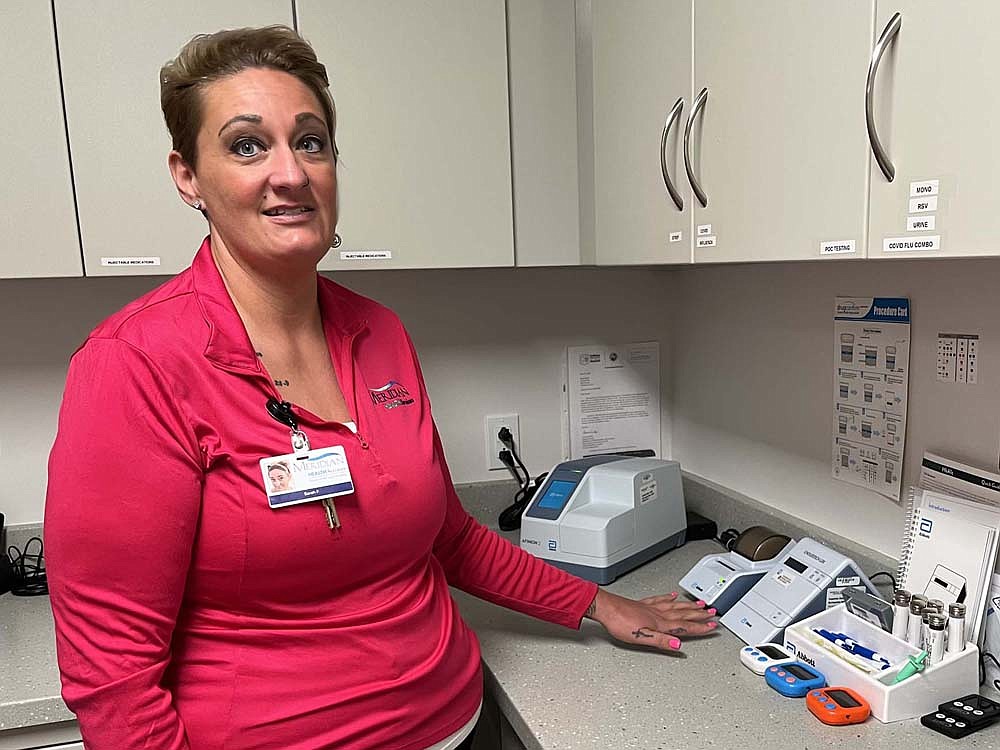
{"points": [[871, 368]]}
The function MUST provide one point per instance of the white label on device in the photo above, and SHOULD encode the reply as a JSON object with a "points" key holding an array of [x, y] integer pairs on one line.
{"points": [[151, 261], [706, 241], [904, 244], [923, 205], [676, 236], [365, 254], [782, 577], [834, 597], [920, 223], [927, 187], [836, 247], [647, 491], [704, 230], [849, 581]]}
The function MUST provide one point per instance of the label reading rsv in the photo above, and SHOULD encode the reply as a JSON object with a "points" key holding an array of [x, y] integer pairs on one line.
{"points": [[303, 478]]}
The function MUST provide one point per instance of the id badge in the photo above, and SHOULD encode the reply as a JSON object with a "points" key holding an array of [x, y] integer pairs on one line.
{"points": [[306, 477]]}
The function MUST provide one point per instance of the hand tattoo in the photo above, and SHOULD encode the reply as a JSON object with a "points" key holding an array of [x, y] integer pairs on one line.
{"points": [[677, 631], [641, 633]]}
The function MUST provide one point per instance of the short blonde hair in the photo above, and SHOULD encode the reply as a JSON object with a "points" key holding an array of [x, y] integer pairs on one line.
{"points": [[211, 57]]}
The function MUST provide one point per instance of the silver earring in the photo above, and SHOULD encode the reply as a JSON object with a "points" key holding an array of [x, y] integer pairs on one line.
{"points": [[196, 205]]}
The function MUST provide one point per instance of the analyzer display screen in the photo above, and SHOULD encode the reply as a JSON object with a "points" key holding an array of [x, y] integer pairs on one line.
{"points": [[557, 494], [794, 564]]}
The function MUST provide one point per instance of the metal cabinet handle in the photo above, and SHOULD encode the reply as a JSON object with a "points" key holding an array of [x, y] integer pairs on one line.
{"points": [[888, 35], [675, 112], [699, 103]]}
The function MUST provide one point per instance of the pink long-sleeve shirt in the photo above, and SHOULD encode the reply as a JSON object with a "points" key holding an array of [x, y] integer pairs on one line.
{"points": [[191, 616]]}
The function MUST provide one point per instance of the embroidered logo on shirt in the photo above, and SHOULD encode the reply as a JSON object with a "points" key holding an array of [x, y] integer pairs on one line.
{"points": [[391, 395]]}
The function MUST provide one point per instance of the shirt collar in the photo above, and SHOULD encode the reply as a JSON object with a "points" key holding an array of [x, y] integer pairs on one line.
{"points": [[228, 342]]}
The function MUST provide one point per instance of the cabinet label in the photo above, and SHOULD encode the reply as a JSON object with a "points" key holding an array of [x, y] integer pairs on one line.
{"points": [[903, 244], [920, 223], [365, 254], [676, 236], [706, 241], [704, 230], [927, 187], [922, 205], [836, 247], [151, 261]]}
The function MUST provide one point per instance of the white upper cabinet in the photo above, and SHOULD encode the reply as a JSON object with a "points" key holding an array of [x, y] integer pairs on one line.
{"points": [[641, 76], [38, 234], [779, 148], [131, 218], [423, 129], [935, 112]]}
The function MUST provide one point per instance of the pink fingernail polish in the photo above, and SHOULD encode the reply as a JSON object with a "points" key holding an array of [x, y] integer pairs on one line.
{"points": [[711, 611], [675, 643], [713, 624], [700, 603], [673, 593]]}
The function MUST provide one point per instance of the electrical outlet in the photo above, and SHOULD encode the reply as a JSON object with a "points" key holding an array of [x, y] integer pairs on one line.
{"points": [[493, 444]]}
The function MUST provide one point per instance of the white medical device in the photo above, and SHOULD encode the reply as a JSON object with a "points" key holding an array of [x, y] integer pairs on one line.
{"points": [[797, 587], [722, 579], [758, 658], [602, 516]]}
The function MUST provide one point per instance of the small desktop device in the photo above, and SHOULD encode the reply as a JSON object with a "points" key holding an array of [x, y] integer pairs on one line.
{"points": [[758, 658], [795, 679], [962, 716], [602, 516], [798, 586], [837, 705]]}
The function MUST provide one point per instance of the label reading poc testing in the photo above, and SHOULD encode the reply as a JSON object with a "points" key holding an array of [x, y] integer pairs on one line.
{"points": [[837, 247], [318, 474]]}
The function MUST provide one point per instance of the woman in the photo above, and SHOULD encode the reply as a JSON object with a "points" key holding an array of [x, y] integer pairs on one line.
{"points": [[208, 617]]}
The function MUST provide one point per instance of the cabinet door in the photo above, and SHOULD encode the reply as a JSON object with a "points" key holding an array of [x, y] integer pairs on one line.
{"points": [[642, 66], [111, 53], [780, 146], [38, 221], [423, 129], [936, 113]]}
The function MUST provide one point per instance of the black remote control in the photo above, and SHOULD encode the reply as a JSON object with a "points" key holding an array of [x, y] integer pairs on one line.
{"points": [[949, 726], [974, 710]]}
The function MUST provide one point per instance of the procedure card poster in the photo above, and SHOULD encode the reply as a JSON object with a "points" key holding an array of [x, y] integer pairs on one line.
{"points": [[871, 358], [614, 398]]}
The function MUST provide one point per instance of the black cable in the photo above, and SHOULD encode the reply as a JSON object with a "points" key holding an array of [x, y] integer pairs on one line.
{"points": [[728, 538], [510, 517], [28, 570], [507, 460], [886, 573], [507, 439]]}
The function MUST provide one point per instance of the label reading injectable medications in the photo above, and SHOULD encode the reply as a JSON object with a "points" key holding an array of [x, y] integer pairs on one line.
{"points": [[706, 241], [704, 230], [151, 261], [837, 247], [926, 187], [676, 236], [365, 254], [909, 244], [920, 223], [923, 205]]}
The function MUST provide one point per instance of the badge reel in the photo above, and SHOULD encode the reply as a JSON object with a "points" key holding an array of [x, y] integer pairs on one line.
{"points": [[838, 706], [758, 658], [795, 679]]}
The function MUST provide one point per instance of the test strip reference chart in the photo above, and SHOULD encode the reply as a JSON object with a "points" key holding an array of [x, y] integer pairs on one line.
{"points": [[871, 374]]}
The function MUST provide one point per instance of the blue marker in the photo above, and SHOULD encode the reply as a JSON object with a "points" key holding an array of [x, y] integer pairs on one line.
{"points": [[852, 647]]}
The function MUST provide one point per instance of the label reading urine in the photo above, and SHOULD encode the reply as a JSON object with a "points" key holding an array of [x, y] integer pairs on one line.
{"points": [[704, 230], [923, 205], [836, 247], [911, 244], [365, 254], [151, 261], [676, 236], [706, 241], [927, 187], [920, 223]]}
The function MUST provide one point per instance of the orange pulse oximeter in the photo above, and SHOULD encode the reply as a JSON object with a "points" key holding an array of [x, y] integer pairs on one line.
{"points": [[838, 705]]}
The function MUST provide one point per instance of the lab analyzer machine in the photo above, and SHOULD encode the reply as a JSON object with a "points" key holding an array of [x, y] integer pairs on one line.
{"points": [[807, 578], [602, 516]]}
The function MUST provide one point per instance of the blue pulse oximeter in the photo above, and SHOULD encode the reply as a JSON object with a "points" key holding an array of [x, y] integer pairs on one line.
{"points": [[795, 679]]}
